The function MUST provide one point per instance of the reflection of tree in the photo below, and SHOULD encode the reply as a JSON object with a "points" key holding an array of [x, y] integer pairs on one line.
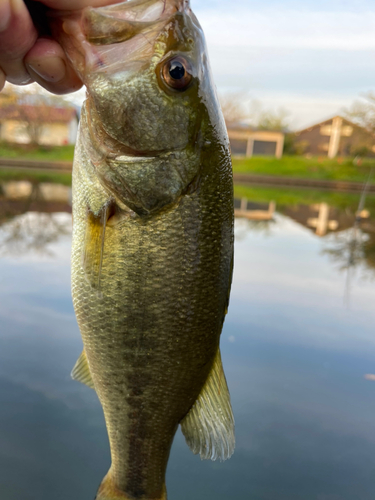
{"points": [[31, 223], [30, 220], [352, 251], [369, 250], [244, 226], [355, 249], [33, 232], [348, 249]]}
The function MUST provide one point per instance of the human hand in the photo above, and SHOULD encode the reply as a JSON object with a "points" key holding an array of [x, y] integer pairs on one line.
{"points": [[26, 57]]}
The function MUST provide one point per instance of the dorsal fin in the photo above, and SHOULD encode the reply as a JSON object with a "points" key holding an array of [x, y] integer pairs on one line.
{"points": [[209, 426]]}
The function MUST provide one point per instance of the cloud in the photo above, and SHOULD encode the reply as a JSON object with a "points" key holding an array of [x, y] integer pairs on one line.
{"points": [[318, 25], [312, 58], [289, 29]]}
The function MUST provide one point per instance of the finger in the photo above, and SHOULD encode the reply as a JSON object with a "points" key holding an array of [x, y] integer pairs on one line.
{"points": [[2, 80], [17, 36], [47, 64]]}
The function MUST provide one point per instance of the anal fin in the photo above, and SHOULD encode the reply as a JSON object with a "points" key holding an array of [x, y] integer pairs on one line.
{"points": [[81, 371], [209, 426]]}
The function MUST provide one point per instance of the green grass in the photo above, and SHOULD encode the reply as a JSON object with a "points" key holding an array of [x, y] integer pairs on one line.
{"points": [[18, 174], [27, 152], [308, 168], [289, 166]]}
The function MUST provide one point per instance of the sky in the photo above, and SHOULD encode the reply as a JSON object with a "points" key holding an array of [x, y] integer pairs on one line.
{"points": [[311, 58]]}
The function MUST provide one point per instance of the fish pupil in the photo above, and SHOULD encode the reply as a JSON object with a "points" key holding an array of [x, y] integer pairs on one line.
{"points": [[177, 70]]}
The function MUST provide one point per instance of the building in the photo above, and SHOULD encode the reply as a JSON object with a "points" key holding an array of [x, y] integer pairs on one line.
{"points": [[335, 137], [247, 141], [49, 125]]}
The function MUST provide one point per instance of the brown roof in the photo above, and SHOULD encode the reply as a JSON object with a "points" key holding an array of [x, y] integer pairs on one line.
{"points": [[49, 114], [307, 129]]}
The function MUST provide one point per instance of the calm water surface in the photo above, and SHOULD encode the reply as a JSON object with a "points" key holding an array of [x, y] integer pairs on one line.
{"points": [[298, 348]]}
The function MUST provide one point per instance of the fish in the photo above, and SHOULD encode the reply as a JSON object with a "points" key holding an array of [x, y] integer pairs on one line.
{"points": [[152, 253]]}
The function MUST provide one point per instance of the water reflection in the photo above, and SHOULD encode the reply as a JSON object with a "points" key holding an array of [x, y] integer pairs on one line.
{"points": [[33, 215], [33, 232], [299, 365]]}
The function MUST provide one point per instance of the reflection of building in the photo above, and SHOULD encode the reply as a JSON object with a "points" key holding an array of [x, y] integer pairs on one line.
{"points": [[336, 137], [58, 125], [323, 223], [320, 218], [45, 191], [254, 211], [246, 141], [18, 197]]}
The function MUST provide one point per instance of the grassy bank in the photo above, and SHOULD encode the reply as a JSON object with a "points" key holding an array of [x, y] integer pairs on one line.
{"points": [[318, 168], [19, 174], [282, 196], [307, 168], [27, 152], [288, 166]]}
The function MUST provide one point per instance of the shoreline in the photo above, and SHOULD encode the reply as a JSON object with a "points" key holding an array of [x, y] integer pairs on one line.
{"points": [[61, 171]]}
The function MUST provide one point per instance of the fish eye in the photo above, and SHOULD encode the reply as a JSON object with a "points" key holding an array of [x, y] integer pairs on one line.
{"points": [[177, 73]]}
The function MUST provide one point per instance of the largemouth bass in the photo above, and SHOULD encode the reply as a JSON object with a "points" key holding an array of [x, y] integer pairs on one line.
{"points": [[153, 237]]}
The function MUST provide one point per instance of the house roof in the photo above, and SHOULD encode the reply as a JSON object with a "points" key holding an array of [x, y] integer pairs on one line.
{"points": [[307, 129], [48, 114]]}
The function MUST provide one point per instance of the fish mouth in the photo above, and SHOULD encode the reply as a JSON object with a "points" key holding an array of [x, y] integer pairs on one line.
{"points": [[116, 38], [120, 22]]}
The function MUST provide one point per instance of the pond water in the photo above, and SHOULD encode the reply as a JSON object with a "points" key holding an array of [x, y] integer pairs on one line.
{"points": [[298, 349]]}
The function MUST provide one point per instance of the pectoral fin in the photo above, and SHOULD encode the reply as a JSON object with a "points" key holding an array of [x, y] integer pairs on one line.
{"points": [[209, 426], [81, 371], [92, 258]]}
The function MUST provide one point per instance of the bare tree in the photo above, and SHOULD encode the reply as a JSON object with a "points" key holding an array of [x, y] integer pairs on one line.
{"points": [[31, 107], [362, 112], [273, 120], [235, 107]]}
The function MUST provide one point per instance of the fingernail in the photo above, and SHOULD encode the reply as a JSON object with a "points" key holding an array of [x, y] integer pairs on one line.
{"points": [[51, 69], [17, 6], [4, 14]]}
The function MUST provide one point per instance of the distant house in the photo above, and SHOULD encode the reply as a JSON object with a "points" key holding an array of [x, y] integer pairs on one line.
{"points": [[336, 137], [247, 141], [59, 125]]}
